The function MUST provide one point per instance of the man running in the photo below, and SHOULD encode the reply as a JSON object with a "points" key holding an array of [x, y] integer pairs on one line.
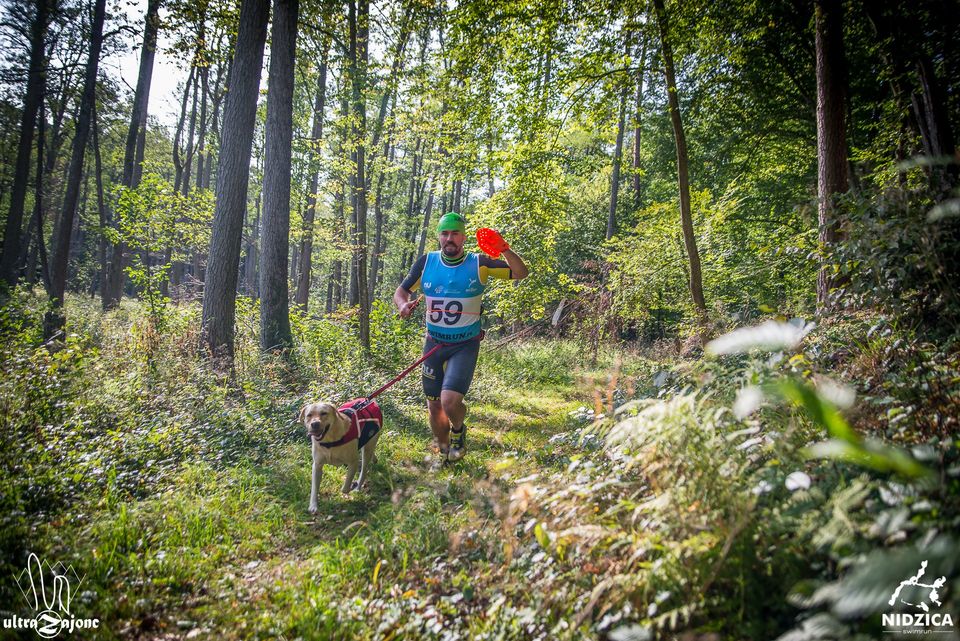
{"points": [[453, 282]]}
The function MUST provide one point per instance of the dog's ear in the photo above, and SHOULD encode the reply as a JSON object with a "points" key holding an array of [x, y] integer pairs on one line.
{"points": [[303, 413]]}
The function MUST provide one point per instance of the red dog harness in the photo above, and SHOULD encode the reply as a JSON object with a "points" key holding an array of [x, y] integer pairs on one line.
{"points": [[364, 423]]}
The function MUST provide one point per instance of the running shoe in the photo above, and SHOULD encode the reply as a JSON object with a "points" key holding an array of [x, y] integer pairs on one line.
{"points": [[458, 444]]}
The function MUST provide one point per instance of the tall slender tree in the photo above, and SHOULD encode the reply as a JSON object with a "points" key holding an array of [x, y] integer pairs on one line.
{"points": [[683, 164], [316, 134], [359, 17], [133, 149], [638, 121], [617, 157], [28, 122], [233, 170], [274, 303], [61, 251], [832, 173]]}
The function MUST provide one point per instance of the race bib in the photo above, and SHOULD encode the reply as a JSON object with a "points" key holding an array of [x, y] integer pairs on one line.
{"points": [[447, 313]]}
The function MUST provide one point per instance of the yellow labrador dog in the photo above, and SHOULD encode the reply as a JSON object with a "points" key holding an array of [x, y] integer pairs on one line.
{"points": [[345, 435]]}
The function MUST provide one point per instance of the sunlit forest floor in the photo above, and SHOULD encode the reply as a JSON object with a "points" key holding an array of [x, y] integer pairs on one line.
{"points": [[181, 496]]}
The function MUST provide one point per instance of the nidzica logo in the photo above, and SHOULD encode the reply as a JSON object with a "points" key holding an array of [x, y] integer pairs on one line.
{"points": [[52, 608], [911, 593]]}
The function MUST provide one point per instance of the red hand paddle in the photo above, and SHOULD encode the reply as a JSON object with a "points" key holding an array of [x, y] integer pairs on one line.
{"points": [[491, 242]]}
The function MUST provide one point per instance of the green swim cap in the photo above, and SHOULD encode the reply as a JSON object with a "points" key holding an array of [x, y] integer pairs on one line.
{"points": [[452, 222]]}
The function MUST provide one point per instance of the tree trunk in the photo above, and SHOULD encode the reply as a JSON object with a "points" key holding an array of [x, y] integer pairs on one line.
{"points": [[425, 230], [359, 31], [491, 186], [239, 119], [295, 252], [133, 149], [617, 156], [339, 277], [683, 176], [191, 132], [379, 242], [927, 114], [101, 207], [36, 76], [57, 134], [637, 125], [377, 237], [938, 143], [354, 291], [316, 134], [177, 152], [832, 178], [217, 97], [204, 88], [252, 259], [61, 255], [37, 219], [457, 193], [409, 219], [274, 249], [335, 290]]}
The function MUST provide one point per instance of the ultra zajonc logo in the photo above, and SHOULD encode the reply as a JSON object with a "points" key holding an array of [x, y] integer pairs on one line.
{"points": [[49, 590], [919, 601]]}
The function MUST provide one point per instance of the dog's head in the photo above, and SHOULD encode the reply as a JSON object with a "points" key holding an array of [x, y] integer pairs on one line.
{"points": [[318, 418]]}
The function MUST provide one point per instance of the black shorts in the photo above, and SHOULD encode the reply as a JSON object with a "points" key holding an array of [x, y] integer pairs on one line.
{"points": [[451, 367]]}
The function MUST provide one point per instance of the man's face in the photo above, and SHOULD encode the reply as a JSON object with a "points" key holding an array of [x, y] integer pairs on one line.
{"points": [[451, 243]]}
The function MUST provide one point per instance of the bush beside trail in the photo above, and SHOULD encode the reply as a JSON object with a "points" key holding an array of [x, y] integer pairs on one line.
{"points": [[633, 496]]}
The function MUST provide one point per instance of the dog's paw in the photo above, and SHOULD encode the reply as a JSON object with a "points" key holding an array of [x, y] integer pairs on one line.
{"points": [[313, 509], [355, 486]]}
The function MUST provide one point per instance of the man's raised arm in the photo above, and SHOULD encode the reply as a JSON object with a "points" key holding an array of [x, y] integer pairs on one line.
{"points": [[518, 268]]}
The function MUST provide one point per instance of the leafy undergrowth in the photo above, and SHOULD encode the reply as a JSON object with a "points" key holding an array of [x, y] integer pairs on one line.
{"points": [[749, 495], [176, 491]]}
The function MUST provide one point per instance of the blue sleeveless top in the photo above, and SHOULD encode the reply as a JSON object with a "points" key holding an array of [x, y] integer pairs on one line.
{"points": [[454, 295]]}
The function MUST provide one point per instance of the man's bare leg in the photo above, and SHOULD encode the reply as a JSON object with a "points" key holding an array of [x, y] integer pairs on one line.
{"points": [[440, 424], [454, 408]]}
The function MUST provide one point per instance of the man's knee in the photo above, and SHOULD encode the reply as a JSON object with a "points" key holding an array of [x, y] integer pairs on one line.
{"points": [[435, 407], [451, 401]]}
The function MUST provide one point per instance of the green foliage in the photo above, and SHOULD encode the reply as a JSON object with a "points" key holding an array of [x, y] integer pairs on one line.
{"points": [[153, 219], [687, 505], [781, 488], [694, 516], [898, 260], [530, 215], [745, 267]]}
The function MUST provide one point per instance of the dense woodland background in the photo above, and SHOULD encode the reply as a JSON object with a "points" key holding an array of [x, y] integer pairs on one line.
{"points": [[555, 123], [669, 171]]}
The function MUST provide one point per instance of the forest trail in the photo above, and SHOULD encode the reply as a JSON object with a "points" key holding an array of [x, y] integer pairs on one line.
{"points": [[342, 556]]}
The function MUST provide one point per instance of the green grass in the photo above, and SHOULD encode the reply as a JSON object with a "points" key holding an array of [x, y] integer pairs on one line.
{"points": [[243, 535], [182, 495], [185, 497]]}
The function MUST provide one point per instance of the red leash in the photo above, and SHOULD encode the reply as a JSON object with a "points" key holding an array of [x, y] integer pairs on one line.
{"points": [[396, 379], [402, 374]]}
